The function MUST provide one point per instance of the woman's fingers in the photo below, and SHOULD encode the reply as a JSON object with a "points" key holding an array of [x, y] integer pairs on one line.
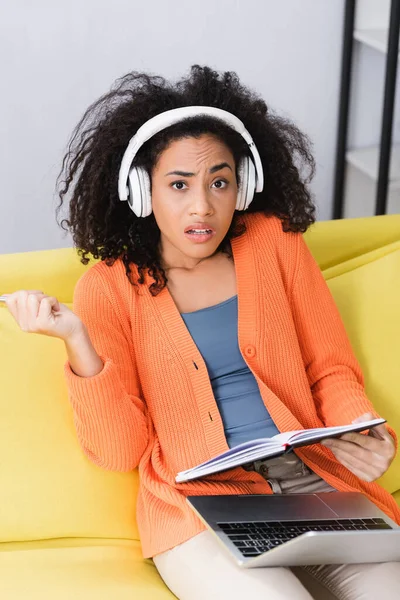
{"points": [[361, 460], [379, 432], [358, 457], [27, 305], [360, 471], [32, 308], [362, 441], [36, 312], [45, 313], [346, 446]]}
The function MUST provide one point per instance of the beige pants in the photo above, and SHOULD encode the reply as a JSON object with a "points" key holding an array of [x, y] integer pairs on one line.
{"points": [[200, 570]]}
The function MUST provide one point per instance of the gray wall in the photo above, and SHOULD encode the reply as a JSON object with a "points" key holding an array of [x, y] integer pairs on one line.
{"points": [[57, 57]]}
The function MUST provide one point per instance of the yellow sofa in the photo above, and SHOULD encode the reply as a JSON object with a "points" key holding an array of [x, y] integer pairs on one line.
{"points": [[67, 527]]}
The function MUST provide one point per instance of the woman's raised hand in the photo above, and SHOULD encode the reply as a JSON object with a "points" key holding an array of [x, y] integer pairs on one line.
{"points": [[36, 312]]}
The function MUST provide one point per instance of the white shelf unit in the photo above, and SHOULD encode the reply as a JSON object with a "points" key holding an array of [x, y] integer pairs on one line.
{"points": [[362, 179], [362, 164], [375, 38], [367, 161]]}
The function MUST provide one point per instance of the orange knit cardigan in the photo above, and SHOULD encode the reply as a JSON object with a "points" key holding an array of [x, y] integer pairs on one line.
{"points": [[153, 406]]}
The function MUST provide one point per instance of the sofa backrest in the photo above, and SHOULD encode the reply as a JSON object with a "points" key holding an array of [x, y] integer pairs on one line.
{"points": [[49, 489]]}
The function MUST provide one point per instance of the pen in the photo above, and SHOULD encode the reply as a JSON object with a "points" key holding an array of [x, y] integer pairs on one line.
{"points": [[2, 298]]}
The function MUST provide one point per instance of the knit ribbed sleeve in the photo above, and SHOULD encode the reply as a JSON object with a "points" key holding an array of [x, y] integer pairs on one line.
{"points": [[109, 415], [333, 372]]}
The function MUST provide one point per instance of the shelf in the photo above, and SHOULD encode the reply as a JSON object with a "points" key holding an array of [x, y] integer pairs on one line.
{"points": [[375, 38], [367, 160]]}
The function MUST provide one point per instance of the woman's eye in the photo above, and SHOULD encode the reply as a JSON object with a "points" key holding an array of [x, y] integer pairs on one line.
{"points": [[220, 184], [179, 185]]}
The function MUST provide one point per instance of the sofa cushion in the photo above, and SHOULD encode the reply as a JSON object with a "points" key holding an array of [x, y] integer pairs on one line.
{"points": [[337, 241], [49, 488], [101, 572], [367, 292]]}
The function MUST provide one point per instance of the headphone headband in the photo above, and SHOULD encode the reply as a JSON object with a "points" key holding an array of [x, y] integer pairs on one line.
{"points": [[170, 117]]}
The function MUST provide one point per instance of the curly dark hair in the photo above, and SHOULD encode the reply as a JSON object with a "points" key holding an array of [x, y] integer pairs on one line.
{"points": [[103, 226]]}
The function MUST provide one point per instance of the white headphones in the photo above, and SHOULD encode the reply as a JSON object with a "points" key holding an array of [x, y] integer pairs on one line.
{"points": [[134, 182]]}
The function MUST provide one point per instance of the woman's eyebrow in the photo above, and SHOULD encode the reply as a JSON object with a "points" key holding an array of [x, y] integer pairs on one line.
{"points": [[213, 169], [219, 167]]}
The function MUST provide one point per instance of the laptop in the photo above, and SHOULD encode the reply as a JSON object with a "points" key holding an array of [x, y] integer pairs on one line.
{"points": [[299, 529]]}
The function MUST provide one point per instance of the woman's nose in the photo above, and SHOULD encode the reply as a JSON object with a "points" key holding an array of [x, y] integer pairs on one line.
{"points": [[201, 204]]}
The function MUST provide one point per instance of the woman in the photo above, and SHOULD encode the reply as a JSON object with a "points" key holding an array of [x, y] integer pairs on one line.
{"points": [[206, 323]]}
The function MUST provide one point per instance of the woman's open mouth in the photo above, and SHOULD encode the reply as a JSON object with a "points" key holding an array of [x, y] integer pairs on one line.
{"points": [[199, 235]]}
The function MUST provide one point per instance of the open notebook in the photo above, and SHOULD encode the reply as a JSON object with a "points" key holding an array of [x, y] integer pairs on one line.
{"points": [[269, 447]]}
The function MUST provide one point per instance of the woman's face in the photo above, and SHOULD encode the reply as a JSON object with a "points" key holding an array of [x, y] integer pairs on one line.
{"points": [[194, 193]]}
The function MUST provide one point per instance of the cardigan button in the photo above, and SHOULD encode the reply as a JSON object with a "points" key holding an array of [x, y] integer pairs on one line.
{"points": [[250, 351]]}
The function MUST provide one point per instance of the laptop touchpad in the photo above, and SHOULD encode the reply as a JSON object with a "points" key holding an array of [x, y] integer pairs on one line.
{"points": [[302, 506], [261, 507]]}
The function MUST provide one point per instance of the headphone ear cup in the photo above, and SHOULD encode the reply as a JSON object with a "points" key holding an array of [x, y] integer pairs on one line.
{"points": [[145, 186], [134, 195], [139, 197], [251, 183], [247, 178], [243, 177]]}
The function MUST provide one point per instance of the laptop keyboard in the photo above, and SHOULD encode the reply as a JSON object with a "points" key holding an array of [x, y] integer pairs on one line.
{"points": [[253, 539]]}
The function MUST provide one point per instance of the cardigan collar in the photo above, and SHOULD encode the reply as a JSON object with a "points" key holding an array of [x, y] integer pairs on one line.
{"points": [[245, 269]]}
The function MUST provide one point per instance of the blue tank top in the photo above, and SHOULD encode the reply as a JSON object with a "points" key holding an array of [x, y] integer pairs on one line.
{"points": [[215, 332]]}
